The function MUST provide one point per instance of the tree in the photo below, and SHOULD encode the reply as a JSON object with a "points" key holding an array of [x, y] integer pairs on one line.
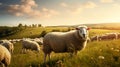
{"points": [[25, 26], [39, 25], [20, 25]]}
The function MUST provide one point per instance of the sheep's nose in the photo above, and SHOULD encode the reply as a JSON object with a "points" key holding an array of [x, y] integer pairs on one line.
{"points": [[84, 35]]}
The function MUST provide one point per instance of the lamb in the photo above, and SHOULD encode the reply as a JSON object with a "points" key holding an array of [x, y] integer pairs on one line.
{"points": [[32, 45], [5, 56], [61, 42], [8, 45]]}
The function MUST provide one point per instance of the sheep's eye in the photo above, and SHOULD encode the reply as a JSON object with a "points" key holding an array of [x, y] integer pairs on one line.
{"points": [[80, 30]]}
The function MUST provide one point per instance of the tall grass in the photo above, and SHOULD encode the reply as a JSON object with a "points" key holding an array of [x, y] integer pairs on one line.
{"points": [[96, 54], [89, 57]]}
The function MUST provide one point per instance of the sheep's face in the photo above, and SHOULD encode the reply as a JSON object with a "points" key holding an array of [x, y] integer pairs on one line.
{"points": [[83, 31]]}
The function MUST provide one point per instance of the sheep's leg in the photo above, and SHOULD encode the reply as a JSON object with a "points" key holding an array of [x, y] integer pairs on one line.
{"points": [[71, 54], [1, 64], [45, 55], [23, 50], [5, 61], [49, 56], [75, 53]]}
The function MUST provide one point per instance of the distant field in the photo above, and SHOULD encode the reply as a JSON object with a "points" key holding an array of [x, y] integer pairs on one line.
{"points": [[96, 54], [35, 32]]}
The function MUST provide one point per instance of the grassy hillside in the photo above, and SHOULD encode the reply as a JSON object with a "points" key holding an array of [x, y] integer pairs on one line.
{"points": [[33, 32], [96, 54]]}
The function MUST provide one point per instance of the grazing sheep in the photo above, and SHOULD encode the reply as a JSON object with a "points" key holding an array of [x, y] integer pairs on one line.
{"points": [[38, 40], [8, 45], [95, 38], [5, 56], [109, 36], [60, 42], [32, 45], [118, 34]]}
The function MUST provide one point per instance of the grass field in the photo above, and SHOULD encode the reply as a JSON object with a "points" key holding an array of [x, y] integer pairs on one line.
{"points": [[96, 54]]}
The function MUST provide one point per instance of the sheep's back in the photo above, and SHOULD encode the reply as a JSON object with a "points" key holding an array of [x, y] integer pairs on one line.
{"points": [[5, 54], [59, 41], [56, 41]]}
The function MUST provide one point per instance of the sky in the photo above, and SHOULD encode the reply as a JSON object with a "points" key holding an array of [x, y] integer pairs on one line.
{"points": [[58, 12]]}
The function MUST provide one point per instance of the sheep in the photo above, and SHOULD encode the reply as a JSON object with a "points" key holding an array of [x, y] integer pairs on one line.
{"points": [[95, 38], [5, 56], [118, 34], [32, 45], [109, 36], [38, 40], [8, 45], [61, 42]]}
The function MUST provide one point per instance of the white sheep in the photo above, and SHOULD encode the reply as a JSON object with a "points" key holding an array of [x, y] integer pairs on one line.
{"points": [[118, 34], [5, 56], [38, 40], [60, 42], [112, 36], [32, 45], [109, 36], [8, 45]]}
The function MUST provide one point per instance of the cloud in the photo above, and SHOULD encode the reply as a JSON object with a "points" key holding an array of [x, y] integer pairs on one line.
{"points": [[49, 12], [78, 9], [30, 9], [89, 4], [0, 4], [64, 4], [106, 1], [26, 7]]}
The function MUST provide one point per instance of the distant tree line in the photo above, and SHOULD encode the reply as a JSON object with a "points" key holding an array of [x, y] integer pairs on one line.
{"points": [[32, 25], [7, 31]]}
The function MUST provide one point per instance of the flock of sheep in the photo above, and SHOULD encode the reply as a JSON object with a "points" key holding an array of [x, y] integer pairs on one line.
{"points": [[7, 47], [106, 36], [58, 42]]}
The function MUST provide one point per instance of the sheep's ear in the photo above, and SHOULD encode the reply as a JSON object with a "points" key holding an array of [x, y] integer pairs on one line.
{"points": [[88, 28], [77, 28]]}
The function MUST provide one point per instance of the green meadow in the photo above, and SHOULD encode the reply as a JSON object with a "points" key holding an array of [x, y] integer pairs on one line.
{"points": [[96, 54]]}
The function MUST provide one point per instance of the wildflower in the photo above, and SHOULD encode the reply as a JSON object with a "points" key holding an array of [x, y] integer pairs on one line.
{"points": [[112, 48], [101, 57], [59, 63], [117, 50]]}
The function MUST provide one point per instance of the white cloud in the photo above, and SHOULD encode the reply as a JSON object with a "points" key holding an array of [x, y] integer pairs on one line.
{"points": [[106, 1], [29, 8], [49, 12], [64, 4], [78, 9], [89, 4], [26, 7]]}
